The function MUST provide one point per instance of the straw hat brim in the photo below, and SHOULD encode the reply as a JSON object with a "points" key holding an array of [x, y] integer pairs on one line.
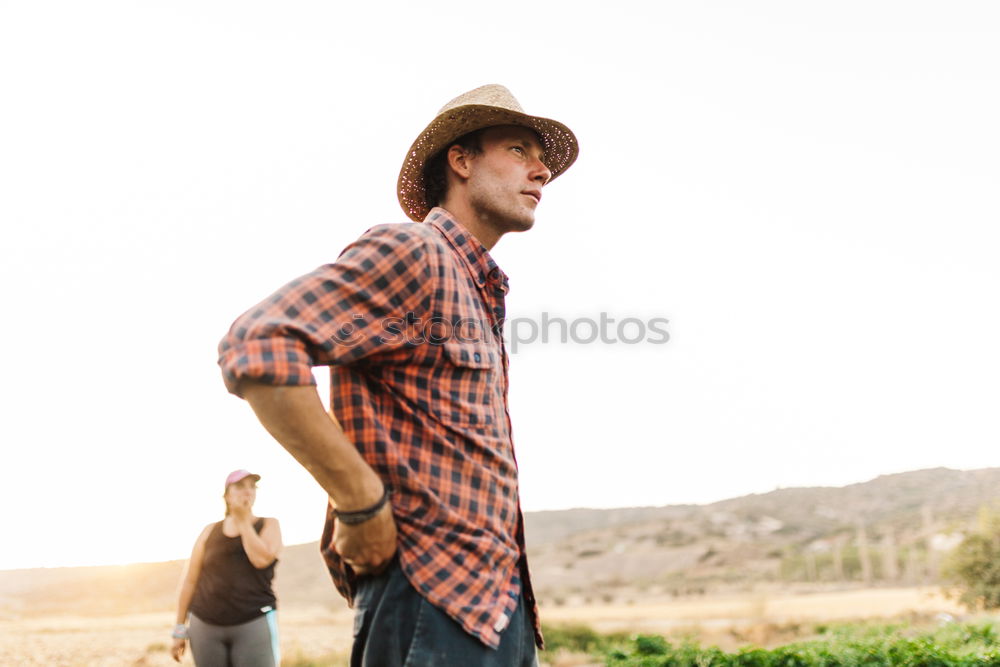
{"points": [[559, 142]]}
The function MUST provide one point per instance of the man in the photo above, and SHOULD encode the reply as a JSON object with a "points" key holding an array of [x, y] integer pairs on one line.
{"points": [[424, 532]]}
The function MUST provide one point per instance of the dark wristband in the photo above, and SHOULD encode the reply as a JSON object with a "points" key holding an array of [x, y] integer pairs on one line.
{"points": [[360, 516]]}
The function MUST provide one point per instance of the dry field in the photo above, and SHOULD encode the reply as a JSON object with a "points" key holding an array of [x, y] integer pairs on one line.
{"points": [[757, 608], [144, 639], [324, 635]]}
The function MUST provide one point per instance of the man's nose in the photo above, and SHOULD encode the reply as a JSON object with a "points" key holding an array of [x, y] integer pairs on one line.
{"points": [[541, 173]]}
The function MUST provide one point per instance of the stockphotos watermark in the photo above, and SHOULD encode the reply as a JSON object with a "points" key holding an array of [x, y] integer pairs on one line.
{"points": [[604, 329], [516, 332]]}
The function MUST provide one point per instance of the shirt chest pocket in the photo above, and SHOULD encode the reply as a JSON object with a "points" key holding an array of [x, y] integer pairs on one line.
{"points": [[465, 389]]}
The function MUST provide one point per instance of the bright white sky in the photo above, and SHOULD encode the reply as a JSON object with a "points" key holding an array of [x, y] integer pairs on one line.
{"points": [[807, 191]]}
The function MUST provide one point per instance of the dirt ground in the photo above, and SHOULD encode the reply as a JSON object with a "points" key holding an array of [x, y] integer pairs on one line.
{"points": [[756, 608], [324, 635], [144, 639]]}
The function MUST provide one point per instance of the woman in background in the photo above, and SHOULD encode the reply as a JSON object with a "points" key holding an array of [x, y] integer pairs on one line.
{"points": [[226, 586]]}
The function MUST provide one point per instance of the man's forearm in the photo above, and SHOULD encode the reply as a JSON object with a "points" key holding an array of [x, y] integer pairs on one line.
{"points": [[296, 418]]}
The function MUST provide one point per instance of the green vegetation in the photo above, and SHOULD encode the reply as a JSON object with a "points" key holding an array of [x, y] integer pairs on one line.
{"points": [[974, 565], [848, 645], [581, 639]]}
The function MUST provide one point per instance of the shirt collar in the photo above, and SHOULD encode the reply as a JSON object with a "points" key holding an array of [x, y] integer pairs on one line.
{"points": [[477, 258]]}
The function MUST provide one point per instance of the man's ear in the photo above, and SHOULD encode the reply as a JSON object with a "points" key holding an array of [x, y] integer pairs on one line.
{"points": [[458, 161]]}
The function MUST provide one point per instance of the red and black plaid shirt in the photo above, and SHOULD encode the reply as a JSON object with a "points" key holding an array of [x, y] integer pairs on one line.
{"points": [[409, 320]]}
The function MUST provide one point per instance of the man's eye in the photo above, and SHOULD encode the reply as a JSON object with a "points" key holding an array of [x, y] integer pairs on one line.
{"points": [[518, 149]]}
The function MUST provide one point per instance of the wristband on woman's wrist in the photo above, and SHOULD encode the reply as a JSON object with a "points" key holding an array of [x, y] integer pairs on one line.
{"points": [[355, 517], [180, 631]]}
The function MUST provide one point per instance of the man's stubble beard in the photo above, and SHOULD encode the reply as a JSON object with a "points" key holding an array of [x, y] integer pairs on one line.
{"points": [[490, 208]]}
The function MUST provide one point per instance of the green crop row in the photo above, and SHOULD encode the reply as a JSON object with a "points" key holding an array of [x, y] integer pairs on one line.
{"points": [[951, 645]]}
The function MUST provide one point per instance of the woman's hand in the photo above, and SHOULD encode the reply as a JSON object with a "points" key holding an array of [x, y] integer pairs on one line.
{"points": [[177, 650], [240, 510]]}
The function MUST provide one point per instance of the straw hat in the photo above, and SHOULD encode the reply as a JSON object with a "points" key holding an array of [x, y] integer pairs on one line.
{"points": [[485, 106]]}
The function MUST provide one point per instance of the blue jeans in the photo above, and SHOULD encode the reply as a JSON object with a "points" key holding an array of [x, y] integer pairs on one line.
{"points": [[394, 626]]}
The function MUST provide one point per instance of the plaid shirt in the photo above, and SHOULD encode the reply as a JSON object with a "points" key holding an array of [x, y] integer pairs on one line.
{"points": [[409, 320]]}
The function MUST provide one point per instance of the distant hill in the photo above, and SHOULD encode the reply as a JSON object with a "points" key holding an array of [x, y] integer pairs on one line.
{"points": [[894, 529], [301, 579]]}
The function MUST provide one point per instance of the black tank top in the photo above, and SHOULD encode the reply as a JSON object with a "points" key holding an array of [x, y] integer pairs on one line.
{"points": [[230, 589]]}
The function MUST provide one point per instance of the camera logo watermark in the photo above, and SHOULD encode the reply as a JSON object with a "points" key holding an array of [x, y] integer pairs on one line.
{"points": [[517, 332]]}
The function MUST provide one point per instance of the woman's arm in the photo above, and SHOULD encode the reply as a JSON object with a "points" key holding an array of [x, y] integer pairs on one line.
{"points": [[188, 584], [262, 549]]}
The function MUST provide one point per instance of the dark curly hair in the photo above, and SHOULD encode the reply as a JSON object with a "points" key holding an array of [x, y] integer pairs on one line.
{"points": [[436, 168]]}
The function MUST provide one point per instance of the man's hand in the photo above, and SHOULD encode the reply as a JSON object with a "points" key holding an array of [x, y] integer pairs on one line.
{"points": [[297, 419], [177, 650], [367, 547]]}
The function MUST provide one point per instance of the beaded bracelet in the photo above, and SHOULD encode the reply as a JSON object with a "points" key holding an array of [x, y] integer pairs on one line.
{"points": [[355, 517], [180, 631]]}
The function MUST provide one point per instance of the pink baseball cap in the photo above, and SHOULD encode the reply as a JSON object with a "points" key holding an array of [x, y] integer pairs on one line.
{"points": [[237, 475]]}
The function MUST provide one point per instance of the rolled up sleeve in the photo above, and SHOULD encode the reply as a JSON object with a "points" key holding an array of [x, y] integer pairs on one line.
{"points": [[333, 315]]}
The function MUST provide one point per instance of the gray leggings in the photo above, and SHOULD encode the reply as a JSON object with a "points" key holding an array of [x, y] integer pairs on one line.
{"points": [[250, 644]]}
